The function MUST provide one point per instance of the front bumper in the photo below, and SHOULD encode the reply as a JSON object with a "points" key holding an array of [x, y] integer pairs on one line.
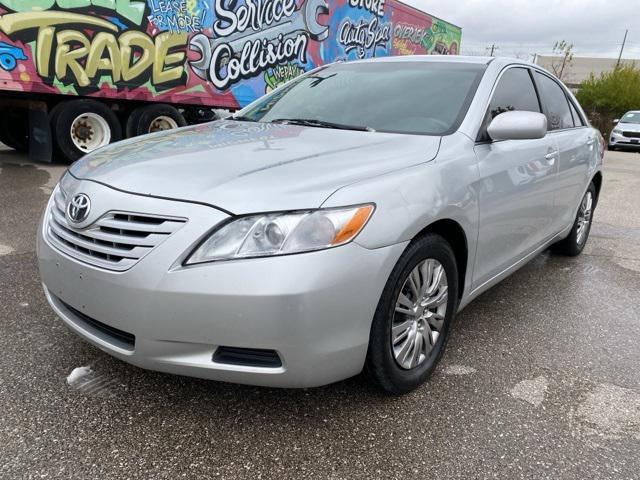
{"points": [[314, 309], [620, 141]]}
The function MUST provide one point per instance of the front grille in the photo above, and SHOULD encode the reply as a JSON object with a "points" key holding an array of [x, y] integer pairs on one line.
{"points": [[631, 134], [116, 241], [248, 357], [118, 337]]}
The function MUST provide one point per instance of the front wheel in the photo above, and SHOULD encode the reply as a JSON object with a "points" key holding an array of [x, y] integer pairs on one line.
{"points": [[413, 319], [573, 245]]}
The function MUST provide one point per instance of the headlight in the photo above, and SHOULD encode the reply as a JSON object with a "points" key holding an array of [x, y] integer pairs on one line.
{"points": [[617, 131], [272, 234]]}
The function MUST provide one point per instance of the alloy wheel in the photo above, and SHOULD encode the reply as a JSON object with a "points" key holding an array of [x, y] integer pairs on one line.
{"points": [[419, 314], [584, 217]]}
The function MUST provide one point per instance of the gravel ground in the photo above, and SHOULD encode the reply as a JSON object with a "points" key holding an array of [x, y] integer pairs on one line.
{"points": [[541, 379]]}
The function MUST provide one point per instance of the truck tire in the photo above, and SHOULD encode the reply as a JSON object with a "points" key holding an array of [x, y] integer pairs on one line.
{"points": [[14, 129], [82, 126], [154, 118]]}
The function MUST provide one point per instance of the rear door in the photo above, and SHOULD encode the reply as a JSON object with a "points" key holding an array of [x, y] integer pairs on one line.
{"points": [[517, 179], [577, 144]]}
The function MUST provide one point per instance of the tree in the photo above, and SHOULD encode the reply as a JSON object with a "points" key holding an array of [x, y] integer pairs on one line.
{"points": [[563, 58], [610, 95]]}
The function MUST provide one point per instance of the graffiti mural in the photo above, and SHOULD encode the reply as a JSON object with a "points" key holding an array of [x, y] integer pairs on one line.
{"points": [[223, 53]]}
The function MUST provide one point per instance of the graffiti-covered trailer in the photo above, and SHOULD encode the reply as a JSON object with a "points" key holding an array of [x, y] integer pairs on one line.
{"points": [[88, 72]]}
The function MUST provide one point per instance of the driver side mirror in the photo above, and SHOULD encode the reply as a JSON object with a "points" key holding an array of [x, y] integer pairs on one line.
{"points": [[518, 125]]}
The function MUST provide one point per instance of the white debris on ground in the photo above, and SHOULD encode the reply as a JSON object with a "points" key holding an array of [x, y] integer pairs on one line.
{"points": [[77, 374], [5, 249], [613, 410], [531, 391], [89, 382], [459, 370]]}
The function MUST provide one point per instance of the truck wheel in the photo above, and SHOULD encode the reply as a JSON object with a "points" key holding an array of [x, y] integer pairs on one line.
{"points": [[14, 129], [82, 126], [154, 118]]}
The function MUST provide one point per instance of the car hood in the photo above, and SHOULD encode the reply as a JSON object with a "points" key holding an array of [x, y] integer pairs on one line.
{"points": [[245, 167], [629, 127]]}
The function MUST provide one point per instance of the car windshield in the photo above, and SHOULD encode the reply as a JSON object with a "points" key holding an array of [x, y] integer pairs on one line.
{"points": [[428, 98], [632, 117]]}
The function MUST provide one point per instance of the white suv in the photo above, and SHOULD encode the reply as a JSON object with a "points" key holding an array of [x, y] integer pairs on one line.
{"points": [[626, 133]]}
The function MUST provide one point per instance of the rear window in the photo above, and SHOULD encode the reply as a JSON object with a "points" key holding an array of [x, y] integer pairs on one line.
{"points": [[428, 98]]}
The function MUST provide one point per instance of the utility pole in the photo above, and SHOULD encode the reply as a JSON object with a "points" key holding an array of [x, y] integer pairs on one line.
{"points": [[493, 48], [535, 57], [622, 48]]}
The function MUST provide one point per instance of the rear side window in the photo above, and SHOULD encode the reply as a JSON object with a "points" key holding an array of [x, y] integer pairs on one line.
{"points": [[515, 91], [577, 119], [556, 103]]}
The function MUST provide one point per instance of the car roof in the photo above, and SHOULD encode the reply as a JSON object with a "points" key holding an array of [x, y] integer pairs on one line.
{"points": [[499, 62], [430, 58]]}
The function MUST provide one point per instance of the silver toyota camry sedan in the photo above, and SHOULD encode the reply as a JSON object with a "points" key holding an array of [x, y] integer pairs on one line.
{"points": [[332, 227]]}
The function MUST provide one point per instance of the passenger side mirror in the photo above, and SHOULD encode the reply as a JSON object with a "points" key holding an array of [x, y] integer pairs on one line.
{"points": [[518, 126], [616, 121]]}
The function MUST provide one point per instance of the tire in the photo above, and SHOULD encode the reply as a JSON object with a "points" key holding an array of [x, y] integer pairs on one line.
{"points": [[611, 148], [383, 365], [131, 129], [94, 125], [573, 245], [14, 129], [154, 118]]}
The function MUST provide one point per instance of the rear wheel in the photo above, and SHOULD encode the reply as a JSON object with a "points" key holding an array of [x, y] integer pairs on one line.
{"points": [[82, 126], [574, 244], [413, 319], [154, 118]]}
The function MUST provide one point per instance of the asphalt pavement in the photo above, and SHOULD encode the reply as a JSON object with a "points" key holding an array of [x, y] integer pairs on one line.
{"points": [[541, 379]]}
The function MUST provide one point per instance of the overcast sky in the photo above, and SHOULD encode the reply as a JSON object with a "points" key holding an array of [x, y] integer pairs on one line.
{"points": [[522, 27]]}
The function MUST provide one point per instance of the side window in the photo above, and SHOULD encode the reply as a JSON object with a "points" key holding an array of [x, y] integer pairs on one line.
{"points": [[515, 91], [556, 103], [577, 119]]}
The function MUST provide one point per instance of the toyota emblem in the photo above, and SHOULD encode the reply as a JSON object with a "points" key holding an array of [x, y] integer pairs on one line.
{"points": [[78, 208]]}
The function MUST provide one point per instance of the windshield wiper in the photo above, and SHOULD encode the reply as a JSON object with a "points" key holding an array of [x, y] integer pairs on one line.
{"points": [[240, 118], [309, 122]]}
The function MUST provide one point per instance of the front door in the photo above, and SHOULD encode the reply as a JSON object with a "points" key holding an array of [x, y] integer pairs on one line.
{"points": [[517, 184]]}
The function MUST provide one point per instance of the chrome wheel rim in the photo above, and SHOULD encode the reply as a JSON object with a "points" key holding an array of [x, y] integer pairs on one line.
{"points": [[419, 314], [162, 123], [90, 131], [584, 217]]}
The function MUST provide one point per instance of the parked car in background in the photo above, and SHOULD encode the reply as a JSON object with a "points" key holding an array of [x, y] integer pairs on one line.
{"points": [[331, 226], [626, 133]]}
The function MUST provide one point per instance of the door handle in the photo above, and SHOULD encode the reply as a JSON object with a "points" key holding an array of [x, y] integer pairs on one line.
{"points": [[590, 142], [551, 158]]}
